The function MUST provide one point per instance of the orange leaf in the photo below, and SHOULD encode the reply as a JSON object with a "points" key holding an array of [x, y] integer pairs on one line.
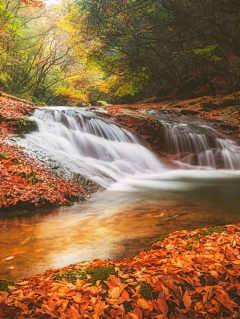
{"points": [[142, 303], [187, 299]]}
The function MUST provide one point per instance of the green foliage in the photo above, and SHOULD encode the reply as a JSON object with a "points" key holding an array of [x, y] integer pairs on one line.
{"points": [[149, 44], [207, 53]]}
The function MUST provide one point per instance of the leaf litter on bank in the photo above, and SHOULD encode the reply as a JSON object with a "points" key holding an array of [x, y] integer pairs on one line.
{"points": [[24, 181], [199, 283]]}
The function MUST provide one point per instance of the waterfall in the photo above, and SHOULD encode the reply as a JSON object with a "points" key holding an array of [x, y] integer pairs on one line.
{"points": [[91, 146], [201, 146]]}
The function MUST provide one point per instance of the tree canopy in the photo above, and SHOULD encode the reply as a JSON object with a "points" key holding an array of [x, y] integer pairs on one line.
{"points": [[157, 44], [85, 50]]}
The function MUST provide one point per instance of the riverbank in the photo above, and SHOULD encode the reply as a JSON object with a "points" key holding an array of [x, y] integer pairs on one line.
{"points": [[27, 184], [186, 274]]}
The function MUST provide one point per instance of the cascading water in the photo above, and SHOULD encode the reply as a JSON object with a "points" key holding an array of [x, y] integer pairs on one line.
{"points": [[91, 146], [202, 146]]}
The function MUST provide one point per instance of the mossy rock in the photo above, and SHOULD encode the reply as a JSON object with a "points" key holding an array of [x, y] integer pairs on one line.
{"points": [[4, 284], [24, 125]]}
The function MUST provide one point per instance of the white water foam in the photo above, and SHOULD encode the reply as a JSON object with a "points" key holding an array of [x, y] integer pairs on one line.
{"points": [[91, 146]]}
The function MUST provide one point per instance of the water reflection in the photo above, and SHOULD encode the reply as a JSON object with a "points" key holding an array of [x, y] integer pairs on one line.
{"points": [[111, 225]]}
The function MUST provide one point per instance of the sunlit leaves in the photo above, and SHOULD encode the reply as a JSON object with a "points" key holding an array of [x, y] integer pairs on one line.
{"points": [[199, 283]]}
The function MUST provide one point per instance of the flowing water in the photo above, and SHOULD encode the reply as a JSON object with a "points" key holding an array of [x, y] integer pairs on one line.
{"points": [[195, 141], [144, 199], [96, 148]]}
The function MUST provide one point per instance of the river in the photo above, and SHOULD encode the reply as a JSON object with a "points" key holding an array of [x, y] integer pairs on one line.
{"points": [[144, 200]]}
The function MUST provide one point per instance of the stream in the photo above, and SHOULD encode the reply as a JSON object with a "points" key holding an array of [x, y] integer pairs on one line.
{"points": [[144, 199]]}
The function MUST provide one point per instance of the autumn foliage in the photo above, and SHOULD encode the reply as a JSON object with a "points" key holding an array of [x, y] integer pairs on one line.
{"points": [[25, 182], [183, 275]]}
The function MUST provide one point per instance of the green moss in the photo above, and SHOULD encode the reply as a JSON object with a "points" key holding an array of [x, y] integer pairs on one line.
{"points": [[195, 237], [24, 125], [161, 238], [211, 230], [31, 177], [146, 290], [96, 274], [127, 306], [15, 161], [188, 247], [3, 156], [5, 284]]}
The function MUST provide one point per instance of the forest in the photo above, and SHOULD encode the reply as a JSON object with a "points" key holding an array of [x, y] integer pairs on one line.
{"points": [[84, 51]]}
